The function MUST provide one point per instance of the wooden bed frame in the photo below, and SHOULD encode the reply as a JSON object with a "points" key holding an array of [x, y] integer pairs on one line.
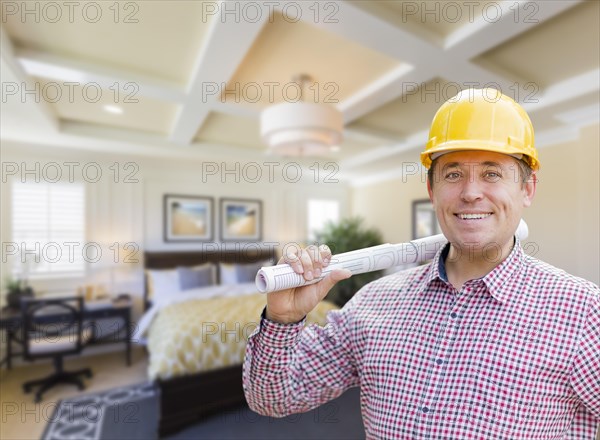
{"points": [[187, 399]]}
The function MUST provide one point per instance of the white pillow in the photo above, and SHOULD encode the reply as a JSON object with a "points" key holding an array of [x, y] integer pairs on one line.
{"points": [[197, 276], [231, 273], [227, 274], [162, 284], [213, 269]]}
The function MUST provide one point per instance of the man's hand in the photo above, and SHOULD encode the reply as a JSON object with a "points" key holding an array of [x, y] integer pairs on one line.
{"points": [[291, 305]]}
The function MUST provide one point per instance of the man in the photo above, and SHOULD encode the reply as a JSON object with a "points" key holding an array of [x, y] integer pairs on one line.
{"points": [[483, 343]]}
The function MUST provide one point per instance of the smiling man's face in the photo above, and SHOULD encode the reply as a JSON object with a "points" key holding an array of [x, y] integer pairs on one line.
{"points": [[479, 198]]}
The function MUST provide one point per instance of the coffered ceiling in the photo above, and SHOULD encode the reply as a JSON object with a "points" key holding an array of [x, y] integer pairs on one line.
{"points": [[190, 78]]}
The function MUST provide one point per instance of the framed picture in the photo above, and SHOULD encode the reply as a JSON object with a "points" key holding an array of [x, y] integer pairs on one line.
{"points": [[241, 220], [188, 218], [424, 220]]}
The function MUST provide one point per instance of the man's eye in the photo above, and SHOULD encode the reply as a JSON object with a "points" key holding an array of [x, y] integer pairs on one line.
{"points": [[453, 176], [492, 175]]}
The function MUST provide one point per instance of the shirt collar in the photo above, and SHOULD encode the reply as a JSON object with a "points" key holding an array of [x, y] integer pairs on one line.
{"points": [[434, 269], [495, 281]]}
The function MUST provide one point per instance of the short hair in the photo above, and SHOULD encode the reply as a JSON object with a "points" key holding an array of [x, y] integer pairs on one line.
{"points": [[524, 171]]}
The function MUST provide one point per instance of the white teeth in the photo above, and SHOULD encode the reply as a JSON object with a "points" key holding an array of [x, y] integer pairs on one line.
{"points": [[474, 216]]}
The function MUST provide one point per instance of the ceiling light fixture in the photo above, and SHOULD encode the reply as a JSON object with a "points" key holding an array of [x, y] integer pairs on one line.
{"points": [[113, 109], [301, 128]]}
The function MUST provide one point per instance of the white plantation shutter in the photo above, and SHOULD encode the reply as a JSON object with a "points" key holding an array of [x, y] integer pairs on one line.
{"points": [[48, 219], [319, 213]]}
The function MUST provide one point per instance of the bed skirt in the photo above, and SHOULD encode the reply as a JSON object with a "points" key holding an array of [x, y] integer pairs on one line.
{"points": [[186, 400]]}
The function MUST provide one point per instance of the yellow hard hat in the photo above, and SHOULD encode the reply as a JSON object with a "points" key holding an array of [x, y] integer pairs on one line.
{"points": [[481, 119]]}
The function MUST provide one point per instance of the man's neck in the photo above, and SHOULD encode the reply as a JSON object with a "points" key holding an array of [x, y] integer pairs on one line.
{"points": [[463, 265]]}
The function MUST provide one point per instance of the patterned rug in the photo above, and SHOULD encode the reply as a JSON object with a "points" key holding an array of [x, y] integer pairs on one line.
{"points": [[130, 412]]}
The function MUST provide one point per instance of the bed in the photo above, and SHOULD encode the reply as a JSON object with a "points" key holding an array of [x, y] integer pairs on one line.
{"points": [[196, 339]]}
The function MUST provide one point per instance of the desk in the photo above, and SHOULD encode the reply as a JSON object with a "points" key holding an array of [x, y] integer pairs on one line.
{"points": [[10, 320]]}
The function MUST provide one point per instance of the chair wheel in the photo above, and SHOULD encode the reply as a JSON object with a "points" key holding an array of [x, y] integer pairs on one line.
{"points": [[26, 389], [81, 387], [89, 374], [38, 398]]}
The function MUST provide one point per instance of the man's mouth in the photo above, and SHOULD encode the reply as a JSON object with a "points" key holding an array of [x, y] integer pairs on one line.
{"points": [[477, 216]]}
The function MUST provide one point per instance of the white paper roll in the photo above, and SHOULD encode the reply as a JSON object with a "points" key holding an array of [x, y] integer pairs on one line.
{"points": [[384, 256]]}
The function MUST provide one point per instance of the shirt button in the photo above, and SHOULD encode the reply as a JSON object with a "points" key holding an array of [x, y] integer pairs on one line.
{"points": [[425, 409], [453, 315], [439, 361]]}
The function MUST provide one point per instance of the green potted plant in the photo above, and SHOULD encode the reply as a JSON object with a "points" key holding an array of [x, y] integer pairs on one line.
{"points": [[17, 289], [349, 235]]}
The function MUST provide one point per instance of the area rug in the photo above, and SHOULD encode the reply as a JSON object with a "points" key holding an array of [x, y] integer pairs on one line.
{"points": [[338, 419], [130, 412]]}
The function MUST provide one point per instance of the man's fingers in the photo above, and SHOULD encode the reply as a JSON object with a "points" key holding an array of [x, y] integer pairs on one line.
{"points": [[317, 261], [340, 274], [293, 260], [334, 276], [325, 254], [307, 265], [309, 261]]}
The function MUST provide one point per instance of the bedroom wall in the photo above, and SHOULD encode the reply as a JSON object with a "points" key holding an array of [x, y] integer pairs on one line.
{"points": [[563, 220], [387, 205], [132, 209]]}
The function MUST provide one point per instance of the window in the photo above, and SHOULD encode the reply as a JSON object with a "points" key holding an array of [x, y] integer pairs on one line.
{"points": [[319, 213], [48, 229]]}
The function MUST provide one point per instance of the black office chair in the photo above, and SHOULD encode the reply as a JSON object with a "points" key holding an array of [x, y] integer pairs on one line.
{"points": [[53, 328]]}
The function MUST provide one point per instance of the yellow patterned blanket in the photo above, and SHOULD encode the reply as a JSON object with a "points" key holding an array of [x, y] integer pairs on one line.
{"points": [[204, 334]]}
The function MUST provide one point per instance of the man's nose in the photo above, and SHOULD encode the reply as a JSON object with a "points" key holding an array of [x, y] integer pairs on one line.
{"points": [[471, 190]]}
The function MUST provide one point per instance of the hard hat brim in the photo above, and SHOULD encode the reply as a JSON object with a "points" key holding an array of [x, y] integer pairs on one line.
{"points": [[449, 147]]}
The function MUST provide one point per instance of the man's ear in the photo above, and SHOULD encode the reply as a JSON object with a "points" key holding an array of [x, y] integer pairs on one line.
{"points": [[529, 189], [429, 191]]}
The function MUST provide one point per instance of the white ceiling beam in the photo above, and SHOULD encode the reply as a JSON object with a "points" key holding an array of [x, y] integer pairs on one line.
{"points": [[57, 68], [466, 74], [585, 116], [253, 112], [485, 33], [558, 135], [571, 88], [416, 55], [452, 62], [361, 134], [81, 136], [413, 141], [241, 110], [354, 24], [39, 109], [562, 91], [7, 53], [371, 97], [580, 117], [224, 49], [422, 60], [95, 137]]}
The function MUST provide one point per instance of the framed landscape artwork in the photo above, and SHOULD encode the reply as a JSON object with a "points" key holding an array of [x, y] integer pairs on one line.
{"points": [[241, 220], [188, 218], [424, 221]]}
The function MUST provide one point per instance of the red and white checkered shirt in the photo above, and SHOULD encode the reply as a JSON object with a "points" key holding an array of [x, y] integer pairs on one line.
{"points": [[513, 355]]}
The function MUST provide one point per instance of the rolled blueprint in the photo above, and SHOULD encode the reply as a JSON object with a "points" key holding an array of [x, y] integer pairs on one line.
{"points": [[384, 256]]}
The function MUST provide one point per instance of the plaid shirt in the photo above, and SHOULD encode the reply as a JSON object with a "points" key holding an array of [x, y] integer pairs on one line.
{"points": [[513, 355]]}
